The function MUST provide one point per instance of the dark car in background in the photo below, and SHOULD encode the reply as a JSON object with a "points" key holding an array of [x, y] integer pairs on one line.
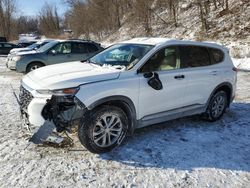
{"points": [[25, 44], [52, 53], [5, 47], [3, 39]]}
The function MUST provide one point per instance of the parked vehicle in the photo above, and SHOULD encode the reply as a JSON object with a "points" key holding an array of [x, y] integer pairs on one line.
{"points": [[24, 44], [5, 47], [53, 53], [15, 51], [33, 46], [130, 85], [3, 39]]}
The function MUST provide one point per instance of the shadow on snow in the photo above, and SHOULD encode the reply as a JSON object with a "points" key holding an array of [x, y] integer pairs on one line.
{"points": [[190, 143]]}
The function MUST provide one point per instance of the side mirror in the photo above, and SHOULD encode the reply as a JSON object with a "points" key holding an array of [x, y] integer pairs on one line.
{"points": [[153, 80], [148, 75]]}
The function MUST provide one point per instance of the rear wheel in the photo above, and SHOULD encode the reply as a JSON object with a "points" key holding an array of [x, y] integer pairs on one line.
{"points": [[34, 66], [217, 106], [104, 129]]}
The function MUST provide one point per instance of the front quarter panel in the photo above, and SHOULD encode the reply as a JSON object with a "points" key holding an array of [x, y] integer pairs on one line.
{"points": [[22, 64], [126, 85]]}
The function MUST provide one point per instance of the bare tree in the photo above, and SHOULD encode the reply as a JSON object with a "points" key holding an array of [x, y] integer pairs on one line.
{"points": [[49, 21], [7, 9], [26, 24], [221, 3], [143, 13], [96, 16], [204, 8], [173, 6]]}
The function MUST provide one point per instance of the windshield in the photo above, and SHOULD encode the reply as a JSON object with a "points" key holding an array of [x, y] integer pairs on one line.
{"points": [[33, 46], [126, 55], [47, 46]]}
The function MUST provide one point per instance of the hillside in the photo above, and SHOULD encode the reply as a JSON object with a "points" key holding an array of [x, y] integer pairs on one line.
{"points": [[231, 28]]}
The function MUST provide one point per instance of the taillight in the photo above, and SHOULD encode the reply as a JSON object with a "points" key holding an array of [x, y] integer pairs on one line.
{"points": [[235, 69]]}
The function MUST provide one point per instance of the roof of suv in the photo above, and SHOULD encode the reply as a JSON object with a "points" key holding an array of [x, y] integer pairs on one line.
{"points": [[147, 40], [82, 40], [159, 41]]}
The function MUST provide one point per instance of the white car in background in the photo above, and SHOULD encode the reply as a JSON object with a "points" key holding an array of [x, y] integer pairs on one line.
{"points": [[129, 85], [34, 46]]}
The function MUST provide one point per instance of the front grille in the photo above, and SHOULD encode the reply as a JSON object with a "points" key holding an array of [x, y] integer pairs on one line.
{"points": [[25, 98]]}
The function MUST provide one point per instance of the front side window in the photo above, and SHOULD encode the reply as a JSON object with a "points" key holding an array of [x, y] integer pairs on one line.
{"points": [[63, 48], [122, 54], [194, 56], [163, 60]]}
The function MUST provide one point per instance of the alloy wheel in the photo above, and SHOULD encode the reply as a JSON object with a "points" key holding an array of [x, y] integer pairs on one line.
{"points": [[34, 67], [218, 106], [107, 130]]}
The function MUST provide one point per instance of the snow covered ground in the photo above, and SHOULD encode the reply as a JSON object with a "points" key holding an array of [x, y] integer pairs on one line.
{"points": [[186, 152], [243, 63]]}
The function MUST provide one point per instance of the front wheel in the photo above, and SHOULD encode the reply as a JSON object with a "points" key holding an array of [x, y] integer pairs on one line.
{"points": [[34, 66], [103, 129], [217, 106]]}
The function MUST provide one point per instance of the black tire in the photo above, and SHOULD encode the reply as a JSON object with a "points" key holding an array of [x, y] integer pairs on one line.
{"points": [[210, 113], [90, 126], [33, 66]]}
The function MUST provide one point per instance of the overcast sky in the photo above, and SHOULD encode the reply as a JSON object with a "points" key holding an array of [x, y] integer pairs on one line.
{"points": [[33, 7]]}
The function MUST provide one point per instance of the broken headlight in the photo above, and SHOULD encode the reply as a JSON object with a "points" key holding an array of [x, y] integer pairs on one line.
{"points": [[60, 92]]}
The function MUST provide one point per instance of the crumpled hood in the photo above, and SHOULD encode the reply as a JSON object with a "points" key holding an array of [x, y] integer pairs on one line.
{"points": [[66, 75]]}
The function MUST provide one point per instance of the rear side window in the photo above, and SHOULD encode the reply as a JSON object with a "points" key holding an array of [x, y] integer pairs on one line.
{"points": [[79, 48], [194, 56], [217, 55], [91, 48]]}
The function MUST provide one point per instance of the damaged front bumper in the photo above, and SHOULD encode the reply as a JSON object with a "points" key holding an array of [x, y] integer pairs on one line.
{"points": [[60, 114], [64, 111]]}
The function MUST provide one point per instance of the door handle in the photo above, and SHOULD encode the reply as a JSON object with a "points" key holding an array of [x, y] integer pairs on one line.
{"points": [[179, 77], [214, 72]]}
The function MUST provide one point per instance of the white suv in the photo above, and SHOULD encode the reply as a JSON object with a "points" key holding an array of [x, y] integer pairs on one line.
{"points": [[129, 85]]}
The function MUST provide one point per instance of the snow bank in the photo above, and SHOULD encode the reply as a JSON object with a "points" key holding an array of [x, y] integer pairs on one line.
{"points": [[243, 63]]}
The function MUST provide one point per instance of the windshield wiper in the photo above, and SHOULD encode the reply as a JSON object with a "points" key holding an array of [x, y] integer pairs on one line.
{"points": [[91, 62], [87, 61]]}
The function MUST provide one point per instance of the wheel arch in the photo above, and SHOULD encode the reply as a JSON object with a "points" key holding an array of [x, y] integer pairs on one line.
{"points": [[123, 102], [34, 62], [225, 86]]}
